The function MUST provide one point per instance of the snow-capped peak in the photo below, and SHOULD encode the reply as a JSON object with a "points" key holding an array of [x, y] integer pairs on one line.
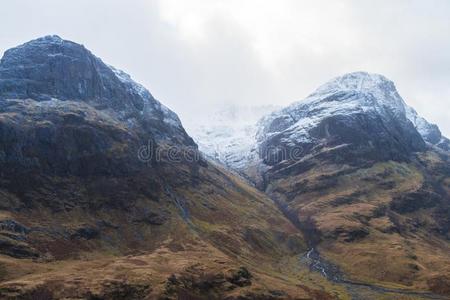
{"points": [[235, 134], [357, 81], [343, 95], [386, 94], [368, 86]]}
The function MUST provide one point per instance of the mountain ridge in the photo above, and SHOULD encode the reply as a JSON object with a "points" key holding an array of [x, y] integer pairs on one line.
{"points": [[382, 92]]}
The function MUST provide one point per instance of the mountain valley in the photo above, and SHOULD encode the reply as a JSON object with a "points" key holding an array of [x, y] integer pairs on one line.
{"points": [[104, 195]]}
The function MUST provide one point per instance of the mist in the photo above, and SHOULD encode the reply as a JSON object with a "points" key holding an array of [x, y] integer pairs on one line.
{"points": [[196, 56]]}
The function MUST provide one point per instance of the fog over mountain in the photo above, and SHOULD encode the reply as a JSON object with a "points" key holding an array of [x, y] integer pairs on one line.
{"points": [[252, 52]]}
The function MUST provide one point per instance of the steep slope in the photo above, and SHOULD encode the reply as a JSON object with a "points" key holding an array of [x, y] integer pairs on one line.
{"points": [[365, 178], [429, 132], [98, 175]]}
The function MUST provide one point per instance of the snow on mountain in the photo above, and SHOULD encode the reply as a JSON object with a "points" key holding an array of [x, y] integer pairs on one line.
{"points": [[151, 105], [234, 135], [430, 132], [358, 92], [228, 135]]}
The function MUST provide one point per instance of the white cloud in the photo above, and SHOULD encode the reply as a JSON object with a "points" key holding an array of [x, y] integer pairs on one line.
{"points": [[198, 54]]}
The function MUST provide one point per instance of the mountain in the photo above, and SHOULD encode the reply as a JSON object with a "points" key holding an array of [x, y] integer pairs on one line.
{"points": [[236, 136], [365, 178], [103, 194], [357, 109]]}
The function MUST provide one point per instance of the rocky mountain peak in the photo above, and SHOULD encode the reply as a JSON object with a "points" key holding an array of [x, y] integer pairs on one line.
{"points": [[365, 85], [50, 69], [384, 95], [358, 93], [349, 99], [47, 45], [358, 90], [358, 81], [64, 111]]}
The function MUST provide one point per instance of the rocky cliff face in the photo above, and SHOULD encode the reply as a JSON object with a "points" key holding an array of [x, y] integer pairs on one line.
{"points": [[361, 114], [53, 69], [76, 133]]}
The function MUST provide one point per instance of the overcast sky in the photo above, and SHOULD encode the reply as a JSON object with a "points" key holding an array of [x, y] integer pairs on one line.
{"points": [[194, 55]]}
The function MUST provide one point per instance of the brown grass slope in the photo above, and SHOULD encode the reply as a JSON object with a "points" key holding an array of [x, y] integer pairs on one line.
{"points": [[384, 223], [199, 232]]}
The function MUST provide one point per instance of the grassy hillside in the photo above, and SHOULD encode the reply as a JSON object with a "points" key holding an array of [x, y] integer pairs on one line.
{"points": [[207, 239], [385, 223]]}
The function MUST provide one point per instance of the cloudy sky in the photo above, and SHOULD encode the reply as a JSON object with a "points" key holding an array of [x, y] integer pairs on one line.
{"points": [[195, 55]]}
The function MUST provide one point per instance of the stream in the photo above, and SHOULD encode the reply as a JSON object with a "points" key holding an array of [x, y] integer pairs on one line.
{"points": [[357, 290]]}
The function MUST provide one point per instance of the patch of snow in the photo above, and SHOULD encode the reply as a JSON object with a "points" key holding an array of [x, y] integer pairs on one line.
{"points": [[229, 134], [151, 105], [430, 132]]}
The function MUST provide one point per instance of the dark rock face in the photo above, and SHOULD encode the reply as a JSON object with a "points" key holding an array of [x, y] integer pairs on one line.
{"points": [[358, 123], [121, 290], [63, 138], [86, 232], [52, 68], [444, 144], [72, 134], [151, 217], [13, 226], [64, 112], [16, 249], [207, 285], [434, 135]]}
